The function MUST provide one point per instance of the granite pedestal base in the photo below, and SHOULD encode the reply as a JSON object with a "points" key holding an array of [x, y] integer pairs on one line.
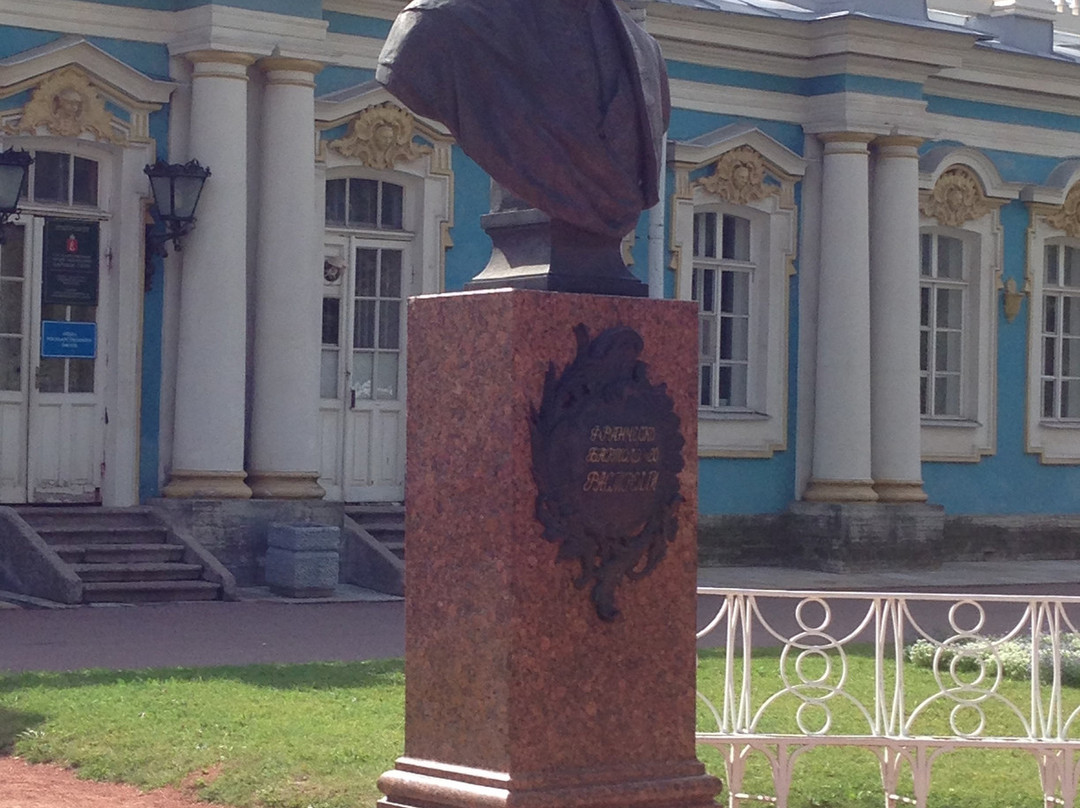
{"points": [[865, 536], [517, 693]]}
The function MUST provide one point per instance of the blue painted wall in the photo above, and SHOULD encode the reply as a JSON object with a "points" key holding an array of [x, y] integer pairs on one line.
{"points": [[333, 78], [472, 247], [153, 307], [16, 40], [357, 25]]}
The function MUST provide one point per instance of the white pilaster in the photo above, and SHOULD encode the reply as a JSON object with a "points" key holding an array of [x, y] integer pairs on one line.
{"points": [[841, 464], [288, 291], [894, 321], [208, 441]]}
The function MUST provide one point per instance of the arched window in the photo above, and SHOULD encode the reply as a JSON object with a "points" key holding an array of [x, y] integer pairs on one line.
{"points": [[960, 240], [733, 239]]}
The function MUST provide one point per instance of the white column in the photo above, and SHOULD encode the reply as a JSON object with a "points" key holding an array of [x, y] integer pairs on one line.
{"points": [[208, 439], [288, 291], [841, 464], [894, 321]]}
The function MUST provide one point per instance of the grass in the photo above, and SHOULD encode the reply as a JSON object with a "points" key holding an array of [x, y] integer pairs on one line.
{"points": [[264, 735], [319, 735]]}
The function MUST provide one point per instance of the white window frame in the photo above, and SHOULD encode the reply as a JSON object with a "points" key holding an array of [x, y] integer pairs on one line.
{"points": [[756, 362], [972, 435], [761, 428], [969, 327], [428, 180], [1053, 219]]}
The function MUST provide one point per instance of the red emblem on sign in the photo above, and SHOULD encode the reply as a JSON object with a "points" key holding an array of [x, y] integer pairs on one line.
{"points": [[72, 243]]}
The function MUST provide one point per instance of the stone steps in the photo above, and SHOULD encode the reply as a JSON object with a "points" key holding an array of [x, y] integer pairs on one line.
{"points": [[122, 555], [149, 591], [384, 521], [137, 534], [119, 553], [138, 571]]}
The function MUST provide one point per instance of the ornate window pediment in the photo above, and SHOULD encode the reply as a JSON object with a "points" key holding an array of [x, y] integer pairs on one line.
{"points": [[74, 89], [1067, 217], [738, 177], [66, 104], [381, 136], [365, 133], [957, 198]]}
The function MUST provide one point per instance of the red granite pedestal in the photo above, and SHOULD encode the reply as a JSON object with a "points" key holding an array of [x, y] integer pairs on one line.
{"points": [[517, 693]]}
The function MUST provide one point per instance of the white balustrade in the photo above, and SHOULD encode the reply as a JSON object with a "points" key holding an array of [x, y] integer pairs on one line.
{"points": [[967, 642]]}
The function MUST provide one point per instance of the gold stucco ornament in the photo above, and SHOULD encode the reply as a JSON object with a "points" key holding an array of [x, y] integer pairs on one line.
{"points": [[738, 177], [68, 105], [381, 137], [1067, 217], [957, 198]]}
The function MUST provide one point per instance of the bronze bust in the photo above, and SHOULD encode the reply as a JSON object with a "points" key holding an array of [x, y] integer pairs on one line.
{"points": [[563, 102]]}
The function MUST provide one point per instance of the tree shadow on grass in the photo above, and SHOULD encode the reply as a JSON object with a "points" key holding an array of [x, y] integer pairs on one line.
{"points": [[308, 676], [12, 724]]}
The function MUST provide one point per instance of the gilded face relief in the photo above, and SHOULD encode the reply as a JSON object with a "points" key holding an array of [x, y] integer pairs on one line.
{"points": [[65, 103], [380, 137]]}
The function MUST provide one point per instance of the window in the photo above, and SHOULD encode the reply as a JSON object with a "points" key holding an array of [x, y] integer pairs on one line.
{"points": [[943, 298], [1061, 333], [365, 203], [733, 241], [1053, 383], [364, 290], [721, 282], [65, 179]]}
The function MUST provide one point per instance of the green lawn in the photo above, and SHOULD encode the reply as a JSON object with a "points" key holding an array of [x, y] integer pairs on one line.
{"points": [[319, 735]]}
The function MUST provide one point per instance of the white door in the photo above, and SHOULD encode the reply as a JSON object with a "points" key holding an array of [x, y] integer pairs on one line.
{"points": [[363, 368], [51, 420]]}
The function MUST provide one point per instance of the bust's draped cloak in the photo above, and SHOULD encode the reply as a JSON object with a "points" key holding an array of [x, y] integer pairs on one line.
{"points": [[489, 71]]}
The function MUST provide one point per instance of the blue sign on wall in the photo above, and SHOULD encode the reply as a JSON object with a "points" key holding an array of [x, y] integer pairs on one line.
{"points": [[63, 340]]}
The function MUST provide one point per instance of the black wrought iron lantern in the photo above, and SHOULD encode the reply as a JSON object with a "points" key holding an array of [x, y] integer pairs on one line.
{"points": [[14, 166], [176, 188]]}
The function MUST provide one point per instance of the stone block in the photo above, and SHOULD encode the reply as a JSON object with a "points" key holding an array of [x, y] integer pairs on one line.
{"points": [[301, 573], [303, 537]]}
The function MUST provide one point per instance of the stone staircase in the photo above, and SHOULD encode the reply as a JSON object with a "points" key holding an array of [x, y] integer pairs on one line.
{"points": [[374, 546], [122, 555], [385, 521]]}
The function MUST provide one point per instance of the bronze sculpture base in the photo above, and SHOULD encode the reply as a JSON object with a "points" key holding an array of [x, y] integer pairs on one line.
{"points": [[533, 251]]}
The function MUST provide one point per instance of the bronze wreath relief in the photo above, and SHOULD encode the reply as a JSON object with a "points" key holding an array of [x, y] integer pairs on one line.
{"points": [[607, 452]]}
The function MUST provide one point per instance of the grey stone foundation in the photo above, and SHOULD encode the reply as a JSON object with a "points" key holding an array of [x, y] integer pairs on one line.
{"points": [[868, 537], [235, 531], [857, 537]]}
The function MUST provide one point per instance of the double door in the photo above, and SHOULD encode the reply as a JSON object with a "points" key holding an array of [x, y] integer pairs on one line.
{"points": [[51, 414], [365, 285]]}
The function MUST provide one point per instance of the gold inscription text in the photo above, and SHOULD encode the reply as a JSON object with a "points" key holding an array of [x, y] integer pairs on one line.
{"points": [[617, 482], [623, 434]]}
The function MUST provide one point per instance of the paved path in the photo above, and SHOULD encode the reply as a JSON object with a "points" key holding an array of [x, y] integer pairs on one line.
{"points": [[246, 632], [198, 634]]}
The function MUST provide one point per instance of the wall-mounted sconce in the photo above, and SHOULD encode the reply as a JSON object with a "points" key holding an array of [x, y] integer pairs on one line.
{"points": [[176, 188], [14, 166], [1011, 298]]}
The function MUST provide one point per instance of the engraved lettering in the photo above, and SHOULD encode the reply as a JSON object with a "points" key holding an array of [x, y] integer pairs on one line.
{"points": [[621, 482], [622, 434]]}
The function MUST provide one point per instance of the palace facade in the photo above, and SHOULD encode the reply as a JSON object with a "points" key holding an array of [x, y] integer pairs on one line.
{"points": [[876, 205]]}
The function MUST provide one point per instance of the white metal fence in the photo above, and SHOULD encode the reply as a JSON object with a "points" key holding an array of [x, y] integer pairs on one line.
{"points": [[803, 670]]}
